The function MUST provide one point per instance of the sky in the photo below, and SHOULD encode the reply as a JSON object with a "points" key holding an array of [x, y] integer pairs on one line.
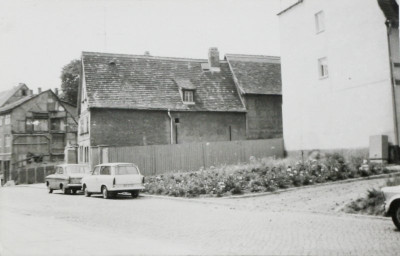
{"points": [[39, 37]]}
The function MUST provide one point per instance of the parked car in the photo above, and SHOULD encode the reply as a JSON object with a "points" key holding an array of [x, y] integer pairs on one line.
{"points": [[392, 203], [113, 178], [67, 177]]}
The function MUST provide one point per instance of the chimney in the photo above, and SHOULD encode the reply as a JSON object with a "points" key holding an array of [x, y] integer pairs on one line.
{"points": [[213, 57], [56, 91], [146, 53], [39, 90]]}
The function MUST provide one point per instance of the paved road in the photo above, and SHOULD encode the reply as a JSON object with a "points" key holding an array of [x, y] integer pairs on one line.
{"points": [[33, 222]]}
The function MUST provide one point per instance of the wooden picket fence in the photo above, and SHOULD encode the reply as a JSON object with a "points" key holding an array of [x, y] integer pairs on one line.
{"points": [[160, 159]]}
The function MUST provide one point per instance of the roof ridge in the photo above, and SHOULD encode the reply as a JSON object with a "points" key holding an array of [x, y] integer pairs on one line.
{"points": [[252, 56], [145, 56], [290, 7]]}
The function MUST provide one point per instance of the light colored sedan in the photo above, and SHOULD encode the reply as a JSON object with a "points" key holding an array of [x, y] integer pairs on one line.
{"points": [[392, 203], [113, 178], [67, 177]]}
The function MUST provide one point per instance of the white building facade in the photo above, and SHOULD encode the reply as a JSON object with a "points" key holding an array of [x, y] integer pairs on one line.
{"points": [[337, 75]]}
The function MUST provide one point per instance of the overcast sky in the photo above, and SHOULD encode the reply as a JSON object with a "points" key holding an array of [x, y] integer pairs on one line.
{"points": [[38, 37]]}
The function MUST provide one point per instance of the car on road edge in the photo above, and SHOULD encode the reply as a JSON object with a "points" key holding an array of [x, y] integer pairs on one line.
{"points": [[392, 203], [67, 177], [112, 178]]}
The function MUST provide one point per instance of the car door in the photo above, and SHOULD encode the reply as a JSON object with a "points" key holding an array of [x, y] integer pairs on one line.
{"points": [[54, 180], [105, 176], [91, 180]]}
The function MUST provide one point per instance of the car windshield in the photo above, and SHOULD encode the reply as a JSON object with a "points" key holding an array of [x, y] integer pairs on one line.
{"points": [[126, 169], [76, 169]]}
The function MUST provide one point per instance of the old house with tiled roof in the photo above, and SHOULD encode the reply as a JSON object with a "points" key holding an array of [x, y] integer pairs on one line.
{"points": [[258, 79], [35, 125], [131, 100], [14, 94]]}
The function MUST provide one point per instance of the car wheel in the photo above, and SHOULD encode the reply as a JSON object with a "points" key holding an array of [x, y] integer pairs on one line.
{"points": [[73, 191], [135, 194], [396, 215], [86, 192], [105, 193]]}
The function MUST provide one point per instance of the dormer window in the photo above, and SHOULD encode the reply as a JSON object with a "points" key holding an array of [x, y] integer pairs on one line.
{"points": [[186, 89], [188, 96]]}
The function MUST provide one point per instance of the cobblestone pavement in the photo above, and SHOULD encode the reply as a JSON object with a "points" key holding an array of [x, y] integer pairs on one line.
{"points": [[33, 222]]}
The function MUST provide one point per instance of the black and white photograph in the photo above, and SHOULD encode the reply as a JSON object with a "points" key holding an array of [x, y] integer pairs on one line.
{"points": [[199, 127]]}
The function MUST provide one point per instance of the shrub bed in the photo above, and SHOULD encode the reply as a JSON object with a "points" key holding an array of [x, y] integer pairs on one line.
{"points": [[260, 176]]}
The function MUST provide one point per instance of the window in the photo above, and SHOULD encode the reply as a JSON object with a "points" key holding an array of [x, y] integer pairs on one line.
{"points": [[319, 21], [126, 170], [188, 96], [37, 125], [96, 170], [81, 126], [57, 124], [21, 160], [75, 169], [7, 119], [86, 156], [1, 120], [323, 67], [59, 170], [81, 154], [23, 92], [84, 125], [105, 170], [7, 140]]}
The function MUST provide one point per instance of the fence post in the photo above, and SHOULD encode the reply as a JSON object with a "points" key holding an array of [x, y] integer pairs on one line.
{"points": [[35, 177], [203, 145], [154, 160]]}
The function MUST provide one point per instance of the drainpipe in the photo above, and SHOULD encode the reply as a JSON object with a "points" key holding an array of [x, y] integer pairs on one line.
{"points": [[396, 127], [170, 118]]}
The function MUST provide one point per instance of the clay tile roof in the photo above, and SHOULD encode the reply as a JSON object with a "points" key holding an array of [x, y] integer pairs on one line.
{"points": [[255, 74], [6, 95], [15, 104], [185, 83], [148, 82]]}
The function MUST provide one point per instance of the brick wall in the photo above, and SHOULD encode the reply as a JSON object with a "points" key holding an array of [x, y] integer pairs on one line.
{"points": [[139, 127], [264, 116], [208, 126], [116, 127]]}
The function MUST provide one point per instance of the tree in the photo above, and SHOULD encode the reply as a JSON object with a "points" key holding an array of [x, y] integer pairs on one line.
{"points": [[70, 81]]}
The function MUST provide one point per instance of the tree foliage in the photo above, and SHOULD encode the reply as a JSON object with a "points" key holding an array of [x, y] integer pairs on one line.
{"points": [[70, 81]]}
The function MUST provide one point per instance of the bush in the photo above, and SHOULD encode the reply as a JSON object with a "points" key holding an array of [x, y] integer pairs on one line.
{"points": [[262, 175], [372, 203]]}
